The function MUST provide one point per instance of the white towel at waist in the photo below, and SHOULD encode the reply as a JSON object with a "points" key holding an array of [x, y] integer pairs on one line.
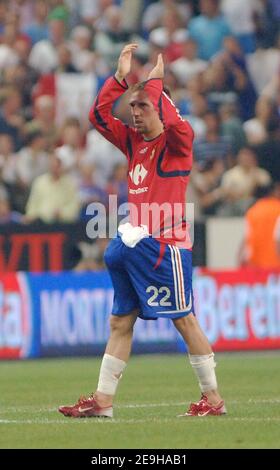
{"points": [[132, 235]]}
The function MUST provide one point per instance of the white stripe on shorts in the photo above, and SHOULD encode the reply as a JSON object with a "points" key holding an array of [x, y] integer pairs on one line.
{"points": [[180, 277], [174, 276]]}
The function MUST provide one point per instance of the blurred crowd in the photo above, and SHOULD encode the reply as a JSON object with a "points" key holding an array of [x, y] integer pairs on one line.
{"points": [[222, 60]]}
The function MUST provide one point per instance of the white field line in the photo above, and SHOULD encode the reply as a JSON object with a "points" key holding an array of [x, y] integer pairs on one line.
{"points": [[32, 409], [159, 420], [44, 409]]}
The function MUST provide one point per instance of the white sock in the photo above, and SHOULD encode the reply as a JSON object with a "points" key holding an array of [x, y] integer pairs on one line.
{"points": [[110, 373], [204, 368]]}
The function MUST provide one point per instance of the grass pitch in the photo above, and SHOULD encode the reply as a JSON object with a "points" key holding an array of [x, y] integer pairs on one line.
{"points": [[153, 391]]}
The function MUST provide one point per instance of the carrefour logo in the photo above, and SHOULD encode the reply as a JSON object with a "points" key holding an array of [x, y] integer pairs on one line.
{"points": [[138, 174]]}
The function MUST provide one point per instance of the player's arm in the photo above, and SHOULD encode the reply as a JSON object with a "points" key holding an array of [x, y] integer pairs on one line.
{"points": [[100, 114], [179, 134]]}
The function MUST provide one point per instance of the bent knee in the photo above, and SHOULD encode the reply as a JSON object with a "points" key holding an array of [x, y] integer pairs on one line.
{"points": [[123, 324], [189, 321]]}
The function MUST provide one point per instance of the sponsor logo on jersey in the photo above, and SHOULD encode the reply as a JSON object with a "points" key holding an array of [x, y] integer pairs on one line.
{"points": [[138, 174], [144, 150], [139, 190]]}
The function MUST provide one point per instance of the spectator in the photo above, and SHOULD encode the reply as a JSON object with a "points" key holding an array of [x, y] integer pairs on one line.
{"points": [[3, 12], [267, 23], [44, 55], [188, 65], [152, 16], [238, 76], [89, 190], [65, 64], [37, 30], [110, 41], [227, 80], [240, 183], [264, 64], [240, 16], [7, 159], [206, 185], [11, 120], [23, 9], [214, 146], [8, 174], [54, 196], [269, 151], [84, 59], [43, 120], [118, 183], [256, 128], [131, 22], [216, 86], [7, 216], [103, 155], [32, 160], [272, 90], [197, 109], [171, 35], [92, 12], [209, 29], [25, 77], [8, 56], [12, 29], [72, 151], [231, 127], [274, 7]]}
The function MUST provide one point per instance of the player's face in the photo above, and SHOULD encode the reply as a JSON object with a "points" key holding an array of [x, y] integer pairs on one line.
{"points": [[143, 112]]}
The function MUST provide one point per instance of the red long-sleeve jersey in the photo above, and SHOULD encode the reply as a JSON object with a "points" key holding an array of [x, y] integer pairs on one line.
{"points": [[158, 169]]}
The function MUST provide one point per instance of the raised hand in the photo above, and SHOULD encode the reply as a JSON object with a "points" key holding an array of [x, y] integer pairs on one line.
{"points": [[158, 70], [124, 63]]}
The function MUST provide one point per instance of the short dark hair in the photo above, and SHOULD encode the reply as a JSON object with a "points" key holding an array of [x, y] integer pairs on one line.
{"points": [[140, 86]]}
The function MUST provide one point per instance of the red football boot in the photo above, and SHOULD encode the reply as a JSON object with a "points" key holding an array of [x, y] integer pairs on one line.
{"points": [[86, 408], [204, 408]]}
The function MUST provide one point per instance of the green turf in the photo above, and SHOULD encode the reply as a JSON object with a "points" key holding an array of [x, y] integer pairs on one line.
{"points": [[31, 391]]}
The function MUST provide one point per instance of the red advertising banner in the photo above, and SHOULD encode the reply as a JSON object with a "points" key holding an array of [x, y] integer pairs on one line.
{"points": [[240, 309], [15, 317]]}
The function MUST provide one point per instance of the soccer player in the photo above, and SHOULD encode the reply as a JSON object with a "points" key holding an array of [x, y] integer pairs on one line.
{"points": [[151, 275]]}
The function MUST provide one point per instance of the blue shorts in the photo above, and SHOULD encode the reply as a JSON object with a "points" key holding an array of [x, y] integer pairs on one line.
{"points": [[153, 277]]}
